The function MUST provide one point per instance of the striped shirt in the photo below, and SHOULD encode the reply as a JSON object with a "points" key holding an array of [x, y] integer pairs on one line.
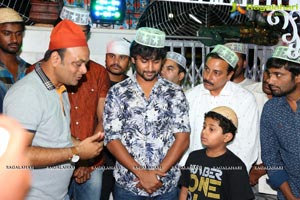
{"points": [[7, 78]]}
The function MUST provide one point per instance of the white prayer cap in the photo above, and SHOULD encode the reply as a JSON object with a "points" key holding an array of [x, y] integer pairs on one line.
{"points": [[78, 15], [176, 57], [281, 53], [227, 54], [228, 113], [8, 15], [150, 37], [118, 46], [237, 47]]}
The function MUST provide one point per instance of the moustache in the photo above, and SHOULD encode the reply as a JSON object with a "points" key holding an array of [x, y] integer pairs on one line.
{"points": [[115, 65], [10, 44], [208, 82], [272, 87]]}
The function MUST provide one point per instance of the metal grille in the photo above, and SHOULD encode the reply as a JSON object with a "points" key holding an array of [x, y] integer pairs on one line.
{"points": [[178, 18]]}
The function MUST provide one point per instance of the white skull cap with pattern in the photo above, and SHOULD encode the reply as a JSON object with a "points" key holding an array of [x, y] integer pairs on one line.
{"points": [[177, 57], [79, 16], [8, 15], [281, 53], [150, 37], [227, 54], [228, 113], [237, 47], [118, 46]]}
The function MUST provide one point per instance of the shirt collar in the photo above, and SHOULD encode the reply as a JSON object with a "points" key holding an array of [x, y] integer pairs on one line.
{"points": [[133, 77], [49, 85]]}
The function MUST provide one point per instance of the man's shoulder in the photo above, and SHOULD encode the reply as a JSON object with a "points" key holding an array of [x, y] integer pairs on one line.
{"points": [[232, 157], [126, 83], [94, 66], [274, 102], [238, 91], [255, 87], [195, 91], [170, 85], [29, 81]]}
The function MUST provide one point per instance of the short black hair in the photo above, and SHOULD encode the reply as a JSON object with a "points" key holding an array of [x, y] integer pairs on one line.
{"points": [[181, 69], [147, 52], [215, 55], [278, 63], [226, 124]]}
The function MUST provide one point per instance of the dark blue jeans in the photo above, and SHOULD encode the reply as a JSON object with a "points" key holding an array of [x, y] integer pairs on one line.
{"points": [[121, 194], [90, 190]]}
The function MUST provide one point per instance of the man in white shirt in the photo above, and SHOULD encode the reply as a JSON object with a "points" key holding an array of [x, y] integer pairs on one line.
{"points": [[218, 90]]}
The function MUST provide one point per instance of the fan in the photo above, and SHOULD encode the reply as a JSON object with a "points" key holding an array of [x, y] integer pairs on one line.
{"points": [[186, 19]]}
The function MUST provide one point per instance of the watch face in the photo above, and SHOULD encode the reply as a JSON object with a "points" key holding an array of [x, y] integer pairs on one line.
{"points": [[75, 158]]}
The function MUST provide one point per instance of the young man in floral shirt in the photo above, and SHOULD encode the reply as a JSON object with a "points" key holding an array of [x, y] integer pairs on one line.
{"points": [[146, 125]]}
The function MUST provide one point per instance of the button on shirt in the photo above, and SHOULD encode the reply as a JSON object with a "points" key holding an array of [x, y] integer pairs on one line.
{"points": [[280, 143], [245, 143], [146, 127]]}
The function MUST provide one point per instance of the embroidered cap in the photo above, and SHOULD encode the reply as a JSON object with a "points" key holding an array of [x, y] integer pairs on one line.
{"points": [[118, 46], [228, 55], [67, 34], [228, 113], [77, 15], [237, 47], [8, 15], [281, 53], [176, 57], [150, 37]]}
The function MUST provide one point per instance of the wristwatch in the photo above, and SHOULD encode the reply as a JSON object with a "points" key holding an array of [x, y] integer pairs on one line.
{"points": [[75, 157]]}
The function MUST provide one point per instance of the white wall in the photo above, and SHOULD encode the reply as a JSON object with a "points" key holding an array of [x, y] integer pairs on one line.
{"points": [[36, 40]]}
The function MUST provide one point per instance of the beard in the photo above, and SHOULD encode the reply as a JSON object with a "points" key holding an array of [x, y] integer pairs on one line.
{"points": [[148, 78], [280, 93], [112, 71], [9, 50]]}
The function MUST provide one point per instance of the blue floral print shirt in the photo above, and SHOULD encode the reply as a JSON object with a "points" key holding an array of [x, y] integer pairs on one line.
{"points": [[146, 127]]}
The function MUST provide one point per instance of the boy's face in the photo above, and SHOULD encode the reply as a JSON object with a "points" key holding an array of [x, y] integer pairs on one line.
{"points": [[212, 134]]}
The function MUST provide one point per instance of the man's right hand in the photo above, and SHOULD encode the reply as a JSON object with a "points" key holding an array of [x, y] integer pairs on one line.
{"points": [[91, 146], [149, 180], [256, 172], [82, 174]]}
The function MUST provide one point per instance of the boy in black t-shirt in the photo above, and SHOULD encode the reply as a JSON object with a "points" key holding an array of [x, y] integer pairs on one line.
{"points": [[215, 172]]}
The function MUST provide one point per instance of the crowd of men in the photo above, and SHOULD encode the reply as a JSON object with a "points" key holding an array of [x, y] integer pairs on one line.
{"points": [[91, 132]]}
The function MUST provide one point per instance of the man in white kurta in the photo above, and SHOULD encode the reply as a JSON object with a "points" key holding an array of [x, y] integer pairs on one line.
{"points": [[217, 90]]}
